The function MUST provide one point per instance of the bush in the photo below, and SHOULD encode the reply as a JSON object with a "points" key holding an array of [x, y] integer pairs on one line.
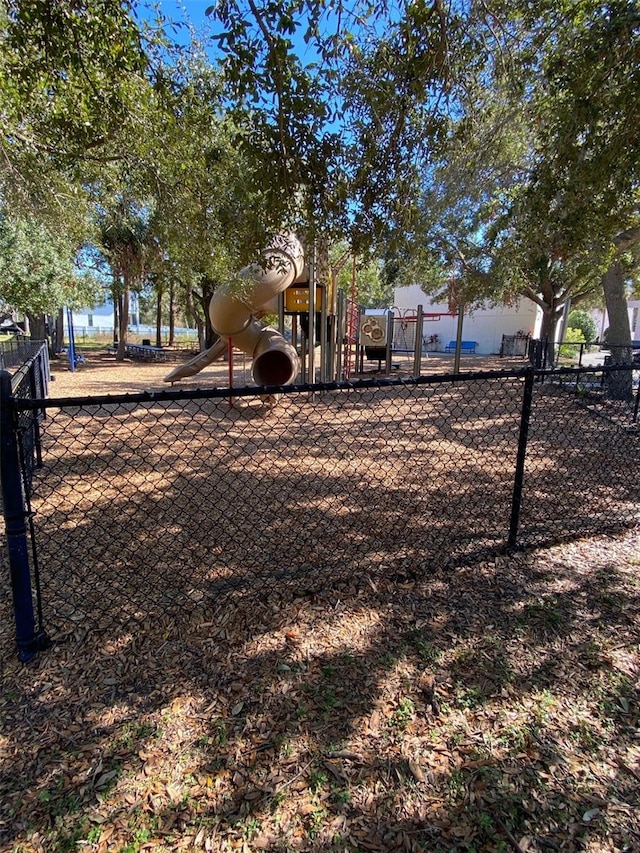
{"points": [[585, 323], [573, 337]]}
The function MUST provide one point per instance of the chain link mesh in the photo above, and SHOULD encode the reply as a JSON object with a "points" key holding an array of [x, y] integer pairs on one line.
{"points": [[150, 504], [31, 382], [582, 472]]}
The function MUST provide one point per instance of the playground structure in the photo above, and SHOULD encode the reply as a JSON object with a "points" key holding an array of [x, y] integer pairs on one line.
{"points": [[386, 334], [75, 357], [287, 286], [326, 344], [233, 309]]}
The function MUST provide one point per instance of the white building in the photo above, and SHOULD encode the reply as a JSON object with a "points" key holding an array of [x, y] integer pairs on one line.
{"points": [[485, 326], [99, 318], [601, 319]]}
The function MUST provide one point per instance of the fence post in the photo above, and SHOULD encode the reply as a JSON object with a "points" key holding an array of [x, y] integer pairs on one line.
{"points": [[28, 641], [525, 417]]}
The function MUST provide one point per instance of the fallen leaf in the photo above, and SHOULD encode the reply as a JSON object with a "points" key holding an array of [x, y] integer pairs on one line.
{"points": [[104, 780], [416, 770], [374, 721]]}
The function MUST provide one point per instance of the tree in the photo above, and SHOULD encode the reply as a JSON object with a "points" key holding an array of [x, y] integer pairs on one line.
{"points": [[212, 212], [343, 138], [591, 111], [66, 72], [583, 322], [128, 242], [531, 193], [478, 231], [37, 272]]}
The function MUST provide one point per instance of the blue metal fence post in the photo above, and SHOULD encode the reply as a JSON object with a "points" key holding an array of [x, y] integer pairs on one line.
{"points": [[14, 510], [72, 341]]}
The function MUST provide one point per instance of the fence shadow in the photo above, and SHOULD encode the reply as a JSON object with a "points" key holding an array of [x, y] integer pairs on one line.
{"points": [[412, 714]]}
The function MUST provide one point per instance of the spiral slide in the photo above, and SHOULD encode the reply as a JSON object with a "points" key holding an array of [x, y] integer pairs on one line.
{"points": [[232, 313]]}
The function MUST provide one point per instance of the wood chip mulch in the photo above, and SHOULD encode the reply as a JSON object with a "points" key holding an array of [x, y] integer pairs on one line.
{"points": [[492, 708]]}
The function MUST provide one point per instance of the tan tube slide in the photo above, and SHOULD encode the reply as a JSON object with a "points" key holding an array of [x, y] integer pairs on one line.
{"points": [[232, 313]]}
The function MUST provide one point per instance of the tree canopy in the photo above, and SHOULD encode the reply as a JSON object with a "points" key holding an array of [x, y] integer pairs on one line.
{"points": [[537, 180], [37, 270]]}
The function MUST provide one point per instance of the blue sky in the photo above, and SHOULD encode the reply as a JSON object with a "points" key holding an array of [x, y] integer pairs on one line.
{"points": [[193, 12], [189, 11]]}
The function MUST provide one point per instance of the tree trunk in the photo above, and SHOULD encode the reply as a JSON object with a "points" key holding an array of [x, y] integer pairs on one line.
{"points": [[37, 325], [550, 317], [193, 312], [208, 288], [123, 325], [50, 334], [58, 342], [159, 318], [172, 315], [116, 300], [619, 384]]}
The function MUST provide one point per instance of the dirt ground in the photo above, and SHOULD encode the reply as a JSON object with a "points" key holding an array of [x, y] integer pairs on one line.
{"points": [[101, 374], [492, 707]]}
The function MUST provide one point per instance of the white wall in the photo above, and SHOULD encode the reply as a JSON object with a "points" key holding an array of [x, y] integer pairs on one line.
{"points": [[485, 326], [601, 319], [101, 316]]}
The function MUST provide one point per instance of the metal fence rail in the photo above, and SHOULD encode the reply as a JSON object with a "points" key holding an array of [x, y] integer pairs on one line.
{"points": [[148, 504]]}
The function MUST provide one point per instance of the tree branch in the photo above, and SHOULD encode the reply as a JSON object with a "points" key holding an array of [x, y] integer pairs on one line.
{"points": [[278, 83], [626, 239]]}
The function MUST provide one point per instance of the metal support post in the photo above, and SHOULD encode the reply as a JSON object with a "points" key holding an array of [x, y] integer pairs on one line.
{"points": [[281, 313], [417, 359], [525, 417], [312, 317], [340, 333], [323, 335], [389, 353], [456, 360], [28, 640]]}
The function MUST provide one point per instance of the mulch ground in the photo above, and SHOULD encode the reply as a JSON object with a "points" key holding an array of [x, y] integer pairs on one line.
{"points": [[491, 707]]}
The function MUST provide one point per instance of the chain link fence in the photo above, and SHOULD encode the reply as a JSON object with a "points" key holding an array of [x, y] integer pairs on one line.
{"points": [[17, 350], [153, 504]]}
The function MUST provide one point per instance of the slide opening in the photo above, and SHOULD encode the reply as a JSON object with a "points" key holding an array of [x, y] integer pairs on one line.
{"points": [[274, 368]]}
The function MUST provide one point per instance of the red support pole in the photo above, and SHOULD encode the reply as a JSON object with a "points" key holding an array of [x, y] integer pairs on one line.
{"points": [[351, 325], [230, 359]]}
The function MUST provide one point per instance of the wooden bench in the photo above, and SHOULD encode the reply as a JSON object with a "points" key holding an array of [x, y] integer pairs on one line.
{"points": [[465, 346]]}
